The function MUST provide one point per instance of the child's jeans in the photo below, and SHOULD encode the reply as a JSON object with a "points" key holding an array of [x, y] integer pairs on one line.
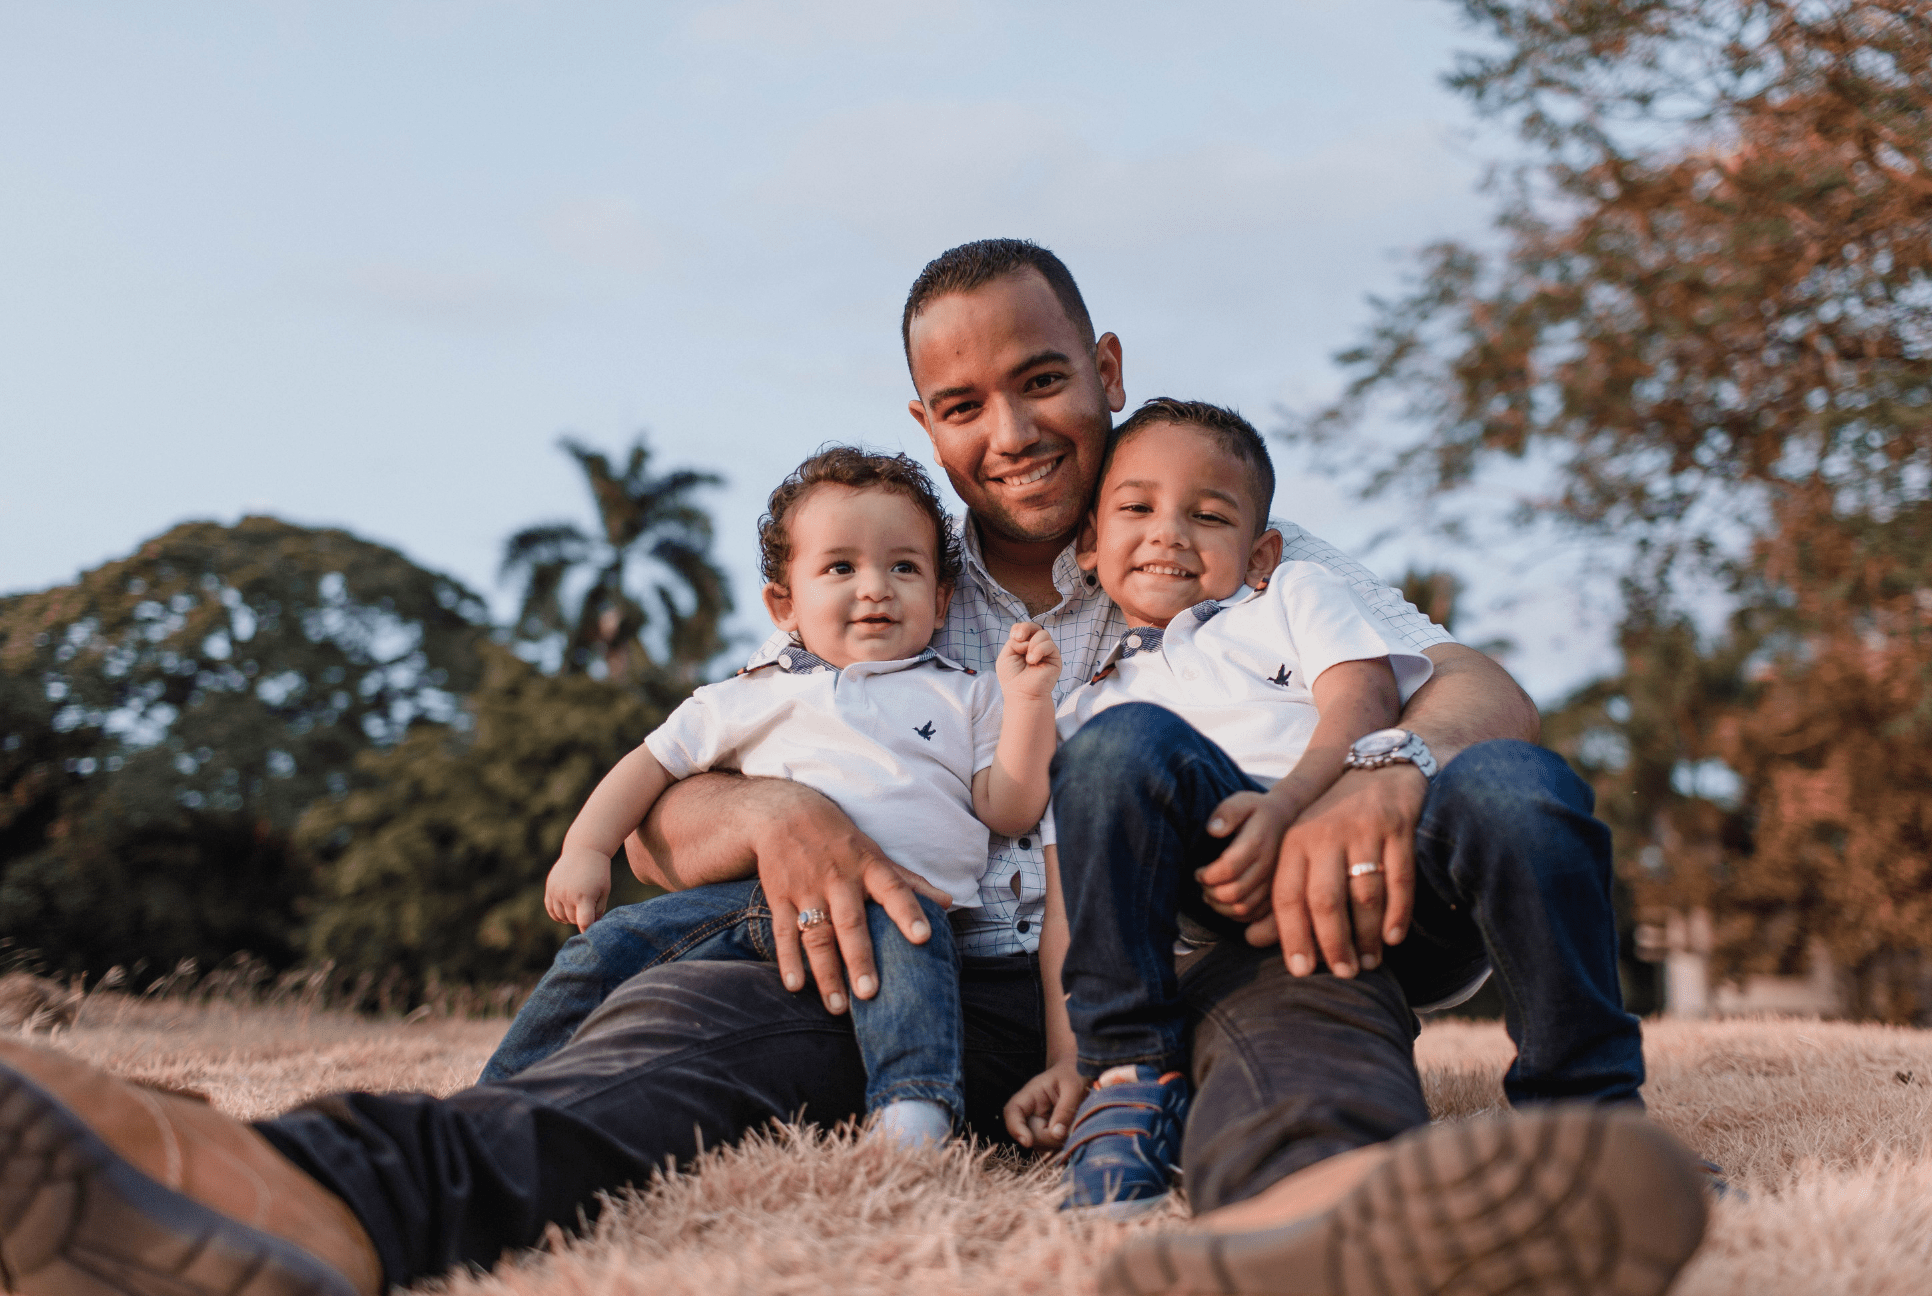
{"points": [[909, 1032]]}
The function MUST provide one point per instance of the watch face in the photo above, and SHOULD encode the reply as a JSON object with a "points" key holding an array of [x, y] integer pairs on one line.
{"points": [[1381, 742]]}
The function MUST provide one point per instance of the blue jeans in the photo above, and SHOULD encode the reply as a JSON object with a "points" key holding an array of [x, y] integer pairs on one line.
{"points": [[908, 1033], [1512, 871]]}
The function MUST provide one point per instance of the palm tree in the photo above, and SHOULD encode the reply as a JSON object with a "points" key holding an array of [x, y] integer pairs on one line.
{"points": [[643, 517]]}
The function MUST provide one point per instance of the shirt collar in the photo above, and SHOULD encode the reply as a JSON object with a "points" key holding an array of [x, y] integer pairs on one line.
{"points": [[1068, 580], [793, 659], [1151, 639]]}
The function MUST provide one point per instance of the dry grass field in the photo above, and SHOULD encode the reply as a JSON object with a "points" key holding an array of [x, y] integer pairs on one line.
{"points": [[1825, 1125]]}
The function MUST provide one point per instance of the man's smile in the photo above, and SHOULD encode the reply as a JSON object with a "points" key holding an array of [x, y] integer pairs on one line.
{"points": [[1027, 476]]}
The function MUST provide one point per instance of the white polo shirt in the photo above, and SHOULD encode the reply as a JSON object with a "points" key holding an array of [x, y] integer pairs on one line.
{"points": [[894, 743], [1241, 670], [1086, 624]]}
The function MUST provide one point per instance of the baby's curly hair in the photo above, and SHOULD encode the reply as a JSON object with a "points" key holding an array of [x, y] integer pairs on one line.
{"points": [[843, 465]]}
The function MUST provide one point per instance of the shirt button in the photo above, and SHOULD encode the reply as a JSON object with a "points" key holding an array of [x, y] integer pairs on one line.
{"points": [[1026, 843], [1023, 926]]}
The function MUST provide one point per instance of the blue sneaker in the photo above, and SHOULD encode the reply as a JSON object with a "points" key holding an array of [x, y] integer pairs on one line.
{"points": [[1125, 1144]]}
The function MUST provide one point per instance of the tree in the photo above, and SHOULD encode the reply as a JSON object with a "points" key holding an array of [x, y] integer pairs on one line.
{"points": [[642, 516], [434, 866], [170, 715], [1712, 314]]}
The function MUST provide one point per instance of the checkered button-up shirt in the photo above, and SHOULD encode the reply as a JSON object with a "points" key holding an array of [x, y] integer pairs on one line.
{"points": [[1086, 625]]}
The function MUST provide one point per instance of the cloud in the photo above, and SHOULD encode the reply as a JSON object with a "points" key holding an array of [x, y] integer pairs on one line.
{"points": [[787, 26], [465, 298], [899, 172], [606, 233]]}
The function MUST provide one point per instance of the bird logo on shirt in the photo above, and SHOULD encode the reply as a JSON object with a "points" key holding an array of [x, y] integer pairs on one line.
{"points": [[925, 731], [1282, 675]]}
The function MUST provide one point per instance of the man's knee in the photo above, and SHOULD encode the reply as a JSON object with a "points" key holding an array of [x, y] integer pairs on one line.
{"points": [[1496, 784]]}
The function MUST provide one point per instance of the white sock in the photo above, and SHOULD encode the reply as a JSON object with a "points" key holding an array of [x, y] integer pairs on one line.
{"points": [[913, 1122], [1117, 1075]]}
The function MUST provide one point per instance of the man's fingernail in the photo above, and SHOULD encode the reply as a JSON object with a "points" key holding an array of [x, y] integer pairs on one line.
{"points": [[864, 987], [1215, 825], [794, 981], [920, 931], [1059, 1131], [1298, 964], [1371, 961], [835, 1003], [1344, 969], [1393, 936]]}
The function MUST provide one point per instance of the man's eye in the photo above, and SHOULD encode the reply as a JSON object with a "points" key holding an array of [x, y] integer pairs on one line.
{"points": [[964, 407], [1041, 381]]}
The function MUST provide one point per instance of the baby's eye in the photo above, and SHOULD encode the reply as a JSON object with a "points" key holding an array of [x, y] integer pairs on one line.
{"points": [[840, 569], [1212, 517], [905, 567], [1136, 508]]}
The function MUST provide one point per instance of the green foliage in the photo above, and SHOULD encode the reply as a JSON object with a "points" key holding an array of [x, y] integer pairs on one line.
{"points": [[435, 863], [643, 517], [169, 716]]}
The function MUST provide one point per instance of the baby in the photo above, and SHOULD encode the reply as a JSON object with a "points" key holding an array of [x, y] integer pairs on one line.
{"points": [[1261, 674], [924, 755]]}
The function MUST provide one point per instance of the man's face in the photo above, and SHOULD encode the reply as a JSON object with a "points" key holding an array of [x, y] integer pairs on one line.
{"points": [[1016, 403]]}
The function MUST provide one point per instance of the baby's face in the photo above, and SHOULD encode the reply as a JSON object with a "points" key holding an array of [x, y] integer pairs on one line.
{"points": [[1174, 525], [864, 576]]}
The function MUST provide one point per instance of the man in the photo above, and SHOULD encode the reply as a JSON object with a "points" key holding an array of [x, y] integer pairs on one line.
{"points": [[1308, 1152]]}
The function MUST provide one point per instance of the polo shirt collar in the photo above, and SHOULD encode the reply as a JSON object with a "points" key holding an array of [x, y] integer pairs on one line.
{"points": [[1151, 639], [793, 659]]}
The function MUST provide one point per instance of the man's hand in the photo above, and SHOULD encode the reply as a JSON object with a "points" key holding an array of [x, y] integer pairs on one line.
{"points": [[811, 856], [1040, 1113], [1367, 815], [1235, 883], [577, 887]]}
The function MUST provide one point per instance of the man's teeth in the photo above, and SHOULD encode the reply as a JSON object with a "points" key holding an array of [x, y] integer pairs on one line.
{"points": [[1032, 475]]}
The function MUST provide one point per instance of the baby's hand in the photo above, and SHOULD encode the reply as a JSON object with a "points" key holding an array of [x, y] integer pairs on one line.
{"points": [[1029, 664], [578, 885], [1040, 1114]]}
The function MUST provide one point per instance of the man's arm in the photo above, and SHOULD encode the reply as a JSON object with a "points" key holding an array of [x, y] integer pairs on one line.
{"points": [[808, 854], [1469, 699]]}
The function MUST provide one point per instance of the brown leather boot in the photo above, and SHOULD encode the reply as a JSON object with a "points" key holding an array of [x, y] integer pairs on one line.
{"points": [[1561, 1201], [110, 1188]]}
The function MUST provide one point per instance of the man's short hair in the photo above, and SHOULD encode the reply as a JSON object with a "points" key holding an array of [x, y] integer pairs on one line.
{"points": [[843, 465], [1233, 434], [973, 265]]}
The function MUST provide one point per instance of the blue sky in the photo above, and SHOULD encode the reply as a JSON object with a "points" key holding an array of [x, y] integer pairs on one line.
{"points": [[362, 263]]}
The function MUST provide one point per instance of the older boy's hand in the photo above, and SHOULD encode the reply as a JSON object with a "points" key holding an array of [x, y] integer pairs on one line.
{"points": [[1039, 1115], [577, 887], [1029, 662], [1367, 815]]}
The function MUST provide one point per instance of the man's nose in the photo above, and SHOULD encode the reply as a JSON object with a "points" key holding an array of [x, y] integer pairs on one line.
{"points": [[1013, 431]]}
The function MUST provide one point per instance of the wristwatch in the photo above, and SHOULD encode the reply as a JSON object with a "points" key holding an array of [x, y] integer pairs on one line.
{"points": [[1387, 746]]}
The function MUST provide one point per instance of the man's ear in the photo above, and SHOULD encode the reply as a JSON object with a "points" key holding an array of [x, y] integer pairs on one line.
{"points": [[1264, 557], [917, 408], [1086, 546], [945, 601], [1106, 363], [778, 602]]}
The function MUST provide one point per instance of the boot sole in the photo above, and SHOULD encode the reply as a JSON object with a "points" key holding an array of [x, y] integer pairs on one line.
{"points": [[1558, 1201], [77, 1220]]}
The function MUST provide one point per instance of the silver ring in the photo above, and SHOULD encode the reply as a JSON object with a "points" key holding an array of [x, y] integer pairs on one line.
{"points": [[810, 918], [1365, 868]]}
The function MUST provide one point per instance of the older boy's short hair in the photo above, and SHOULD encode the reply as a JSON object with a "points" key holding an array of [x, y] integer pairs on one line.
{"points": [[1232, 433], [973, 265], [843, 465]]}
